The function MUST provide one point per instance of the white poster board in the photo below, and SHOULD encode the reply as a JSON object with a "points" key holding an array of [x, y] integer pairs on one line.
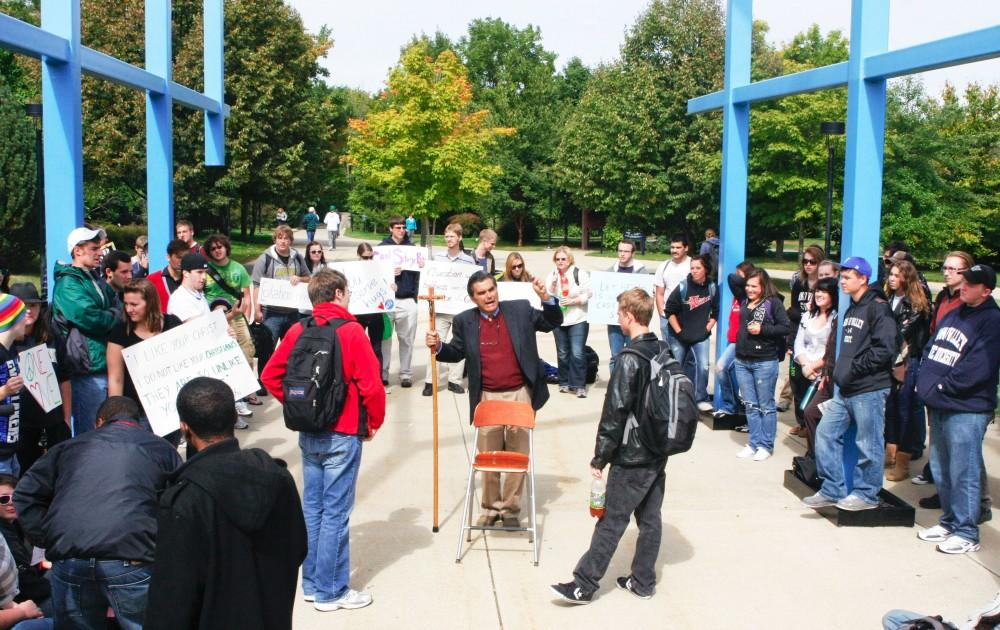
{"points": [[519, 291], [451, 280], [406, 257], [275, 292], [161, 365], [40, 377], [606, 286], [370, 283]]}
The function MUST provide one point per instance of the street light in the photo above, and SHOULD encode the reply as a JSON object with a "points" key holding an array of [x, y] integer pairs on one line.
{"points": [[829, 129], [34, 110]]}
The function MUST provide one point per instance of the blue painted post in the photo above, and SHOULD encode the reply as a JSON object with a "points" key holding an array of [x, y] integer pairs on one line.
{"points": [[215, 150], [62, 132], [159, 133], [863, 157], [735, 147]]}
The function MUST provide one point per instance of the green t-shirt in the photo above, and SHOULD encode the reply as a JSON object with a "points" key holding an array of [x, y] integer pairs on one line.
{"points": [[234, 274]]}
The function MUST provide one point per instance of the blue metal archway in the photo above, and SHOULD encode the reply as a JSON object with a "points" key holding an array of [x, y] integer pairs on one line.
{"points": [[63, 57]]}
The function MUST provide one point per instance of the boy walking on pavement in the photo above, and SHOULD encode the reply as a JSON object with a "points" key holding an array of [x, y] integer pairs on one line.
{"points": [[635, 482]]}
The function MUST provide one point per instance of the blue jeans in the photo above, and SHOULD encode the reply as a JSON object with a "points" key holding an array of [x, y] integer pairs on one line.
{"points": [[757, 380], [867, 412], [330, 464], [617, 340], [725, 374], [88, 394], [82, 590], [697, 367], [894, 619], [35, 624], [570, 341], [956, 462], [279, 322], [310, 236]]}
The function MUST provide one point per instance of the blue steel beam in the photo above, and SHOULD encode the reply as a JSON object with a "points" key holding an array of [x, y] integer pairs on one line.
{"points": [[159, 131], [707, 103], [735, 148], [98, 64], [195, 100], [811, 80], [943, 53], [28, 39], [214, 64]]}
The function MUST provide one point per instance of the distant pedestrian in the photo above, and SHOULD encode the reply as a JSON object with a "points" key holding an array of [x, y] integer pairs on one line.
{"points": [[332, 221], [310, 221]]}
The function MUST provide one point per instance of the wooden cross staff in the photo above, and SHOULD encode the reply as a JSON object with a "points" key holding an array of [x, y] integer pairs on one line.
{"points": [[431, 298]]}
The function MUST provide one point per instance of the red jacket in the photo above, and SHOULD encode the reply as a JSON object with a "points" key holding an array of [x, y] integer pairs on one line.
{"points": [[161, 288], [361, 369]]}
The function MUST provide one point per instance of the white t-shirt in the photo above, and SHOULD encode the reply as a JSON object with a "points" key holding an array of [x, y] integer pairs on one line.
{"points": [[185, 304], [332, 220], [669, 274]]}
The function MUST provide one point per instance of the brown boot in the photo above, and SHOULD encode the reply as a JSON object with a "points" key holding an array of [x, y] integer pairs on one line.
{"points": [[901, 470], [890, 456]]}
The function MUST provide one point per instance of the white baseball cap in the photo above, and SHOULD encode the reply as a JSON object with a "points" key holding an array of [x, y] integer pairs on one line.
{"points": [[82, 235]]}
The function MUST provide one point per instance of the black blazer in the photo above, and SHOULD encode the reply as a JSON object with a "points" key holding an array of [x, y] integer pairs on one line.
{"points": [[522, 323]]}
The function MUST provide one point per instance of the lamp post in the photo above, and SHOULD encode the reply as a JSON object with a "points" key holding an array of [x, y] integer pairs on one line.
{"points": [[34, 110], [829, 129]]}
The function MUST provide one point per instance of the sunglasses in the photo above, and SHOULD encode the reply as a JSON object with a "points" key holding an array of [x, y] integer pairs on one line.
{"points": [[517, 266], [808, 261], [561, 259], [367, 257], [6, 499], [316, 251], [218, 246]]}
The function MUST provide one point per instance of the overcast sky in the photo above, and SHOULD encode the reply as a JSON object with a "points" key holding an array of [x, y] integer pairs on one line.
{"points": [[368, 35]]}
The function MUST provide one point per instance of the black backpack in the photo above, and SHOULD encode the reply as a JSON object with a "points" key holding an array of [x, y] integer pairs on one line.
{"points": [[668, 415], [314, 384], [593, 363]]}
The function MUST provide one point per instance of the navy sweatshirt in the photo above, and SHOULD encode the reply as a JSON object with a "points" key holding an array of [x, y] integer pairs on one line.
{"points": [[868, 347], [960, 366]]}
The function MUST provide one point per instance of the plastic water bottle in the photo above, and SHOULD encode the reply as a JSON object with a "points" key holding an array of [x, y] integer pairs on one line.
{"points": [[597, 498]]}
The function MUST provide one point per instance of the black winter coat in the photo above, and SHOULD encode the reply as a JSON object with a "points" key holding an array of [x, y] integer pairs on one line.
{"points": [[914, 328], [231, 539], [625, 390], [867, 348]]}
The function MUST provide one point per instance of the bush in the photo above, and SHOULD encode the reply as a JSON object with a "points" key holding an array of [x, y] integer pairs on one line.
{"points": [[470, 222], [123, 236]]}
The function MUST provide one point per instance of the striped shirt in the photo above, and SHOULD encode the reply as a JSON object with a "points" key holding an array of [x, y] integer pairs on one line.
{"points": [[8, 575]]}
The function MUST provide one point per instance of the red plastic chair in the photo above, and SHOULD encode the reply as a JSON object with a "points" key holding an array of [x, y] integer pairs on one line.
{"points": [[508, 413]]}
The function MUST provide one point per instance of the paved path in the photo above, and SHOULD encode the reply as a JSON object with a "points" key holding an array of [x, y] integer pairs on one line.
{"points": [[738, 550]]}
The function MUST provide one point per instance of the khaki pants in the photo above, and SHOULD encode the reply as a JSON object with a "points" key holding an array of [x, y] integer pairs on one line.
{"points": [[503, 438], [243, 337]]}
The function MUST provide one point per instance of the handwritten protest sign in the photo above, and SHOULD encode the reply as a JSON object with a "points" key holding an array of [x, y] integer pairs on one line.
{"points": [[40, 377], [518, 291], [282, 293], [606, 286], [371, 286], [407, 257], [161, 365], [451, 280]]}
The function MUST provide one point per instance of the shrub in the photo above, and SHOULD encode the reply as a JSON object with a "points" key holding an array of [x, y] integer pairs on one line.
{"points": [[470, 222]]}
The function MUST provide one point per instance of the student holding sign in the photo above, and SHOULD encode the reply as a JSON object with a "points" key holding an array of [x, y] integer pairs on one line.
{"points": [[12, 316], [626, 263], [404, 316], [454, 254], [280, 262]]}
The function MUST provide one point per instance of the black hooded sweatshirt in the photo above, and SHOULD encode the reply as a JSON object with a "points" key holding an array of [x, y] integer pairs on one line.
{"points": [[231, 539], [700, 304], [867, 348]]}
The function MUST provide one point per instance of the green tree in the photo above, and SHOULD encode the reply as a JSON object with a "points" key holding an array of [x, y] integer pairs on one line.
{"points": [[17, 179], [423, 144]]}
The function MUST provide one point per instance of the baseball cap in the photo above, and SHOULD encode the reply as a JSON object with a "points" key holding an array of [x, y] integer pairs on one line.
{"points": [[12, 310], [981, 274], [82, 235], [26, 292], [859, 264], [192, 261]]}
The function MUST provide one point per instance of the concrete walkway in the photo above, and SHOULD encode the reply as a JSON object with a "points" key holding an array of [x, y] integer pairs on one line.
{"points": [[738, 549]]}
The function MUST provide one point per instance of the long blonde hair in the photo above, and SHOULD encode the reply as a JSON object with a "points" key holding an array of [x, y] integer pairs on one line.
{"points": [[913, 289]]}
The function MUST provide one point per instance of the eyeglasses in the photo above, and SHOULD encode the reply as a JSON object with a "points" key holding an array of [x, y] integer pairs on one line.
{"points": [[218, 246], [398, 227], [809, 261], [316, 251], [367, 257], [947, 269], [5, 499]]}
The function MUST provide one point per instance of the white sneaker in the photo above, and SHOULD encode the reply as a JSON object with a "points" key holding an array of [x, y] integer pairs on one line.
{"points": [[761, 455], [241, 424], [243, 409], [746, 451], [956, 545], [934, 534], [704, 406], [348, 601]]}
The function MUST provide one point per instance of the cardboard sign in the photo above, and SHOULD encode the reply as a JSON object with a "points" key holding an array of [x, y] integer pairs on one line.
{"points": [[519, 291], [40, 377], [275, 292], [407, 257], [370, 284], [605, 287], [450, 280], [161, 365]]}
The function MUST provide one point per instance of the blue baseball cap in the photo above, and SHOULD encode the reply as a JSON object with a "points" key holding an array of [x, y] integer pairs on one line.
{"points": [[859, 264]]}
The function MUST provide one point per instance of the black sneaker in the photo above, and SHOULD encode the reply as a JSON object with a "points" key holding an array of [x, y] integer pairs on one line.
{"points": [[571, 593], [932, 502], [428, 389], [406, 383], [985, 514], [625, 583], [743, 428], [456, 388]]}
